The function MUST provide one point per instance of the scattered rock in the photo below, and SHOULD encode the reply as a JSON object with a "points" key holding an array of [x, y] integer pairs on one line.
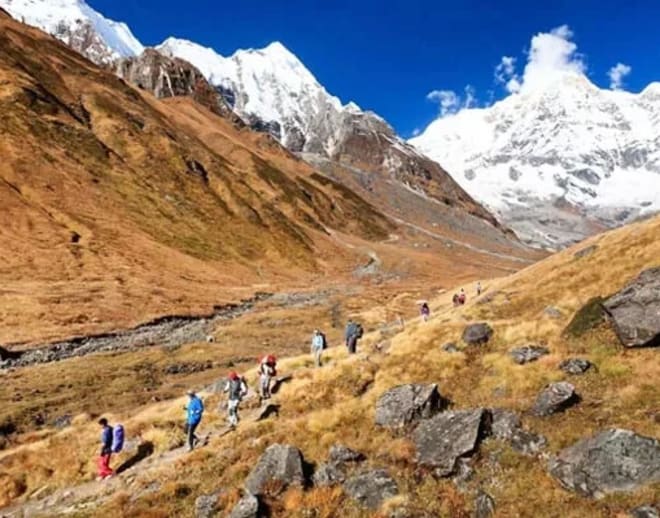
{"points": [[188, 368], [528, 353], [476, 334], [635, 310], [554, 398], [371, 488], [450, 348], [340, 454], [484, 505], [441, 440], [328, 474], [611, 461], [247, 507], [504, 423], [206, 506], [575, 365], [406, 404], [587, 317], [552, 312], [280, 462], [463, 473], [585, 251], [645, 511], [63, 421], [528, 443]]}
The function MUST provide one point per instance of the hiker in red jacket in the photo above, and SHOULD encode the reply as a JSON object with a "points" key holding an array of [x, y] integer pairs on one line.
{"points": [[104, 469]]}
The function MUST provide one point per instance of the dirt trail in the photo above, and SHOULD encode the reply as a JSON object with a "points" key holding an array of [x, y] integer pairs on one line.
{"points": [[168, 331]]}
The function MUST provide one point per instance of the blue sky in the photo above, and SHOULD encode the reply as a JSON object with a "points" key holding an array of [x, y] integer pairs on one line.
{"points": [[388, 55]]}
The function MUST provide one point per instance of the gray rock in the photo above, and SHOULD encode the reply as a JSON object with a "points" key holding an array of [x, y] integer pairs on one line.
{"points": [[611, 461], [584, 252], [528, 443], [484, 505], [340, 454], [645, 511], [206, 506], [247, 507], [406, 404], [450, 348], [463, 473], [476, 334], [441, 440], [371, 488], [504, 423], [552, 312], [279, 462], [635, 310], [528, 353], [63, 421], [575, 366], [328, 474], [554, 398]]}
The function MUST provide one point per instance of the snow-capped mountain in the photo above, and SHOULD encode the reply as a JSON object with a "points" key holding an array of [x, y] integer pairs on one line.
{"points": [[270, 87], [79, 26], [544, 158]]}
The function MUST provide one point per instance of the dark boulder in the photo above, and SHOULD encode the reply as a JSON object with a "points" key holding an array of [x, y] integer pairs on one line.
{"points": [[484, 505], [476, 334], [575, 366], [527, 353], [247, 507], [586, 318], [281, 463], [645, 511], [611, 461], [554, 398], [371, 488], [406, 404], [635, 310], [443, 439]]}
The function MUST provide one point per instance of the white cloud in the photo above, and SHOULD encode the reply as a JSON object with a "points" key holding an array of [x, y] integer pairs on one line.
{"points": [[505, 74], [450, 102], [616, 75]]}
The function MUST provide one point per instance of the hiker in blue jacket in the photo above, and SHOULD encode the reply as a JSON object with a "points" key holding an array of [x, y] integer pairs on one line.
{"points": [[195, 410]]}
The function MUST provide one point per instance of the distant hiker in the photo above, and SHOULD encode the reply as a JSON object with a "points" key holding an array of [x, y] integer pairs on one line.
{"points": [[425, 311], [461, 297], [478, 289], [104, 469], [319, 343], [454, 300], [195, 409], [237, 389], [267, 371], [353, 333]]}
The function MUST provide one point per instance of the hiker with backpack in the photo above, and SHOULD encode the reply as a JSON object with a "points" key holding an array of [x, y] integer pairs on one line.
{"points": [[425, 311], [237, 389], [194, 412], [478, 288], [318, 344], [267, 371], [462, 297], [353, 333], [104, 469]]}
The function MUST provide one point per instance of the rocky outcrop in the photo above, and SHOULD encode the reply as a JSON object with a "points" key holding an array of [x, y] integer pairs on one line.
{"points": [[611, 461], [406, 404], [371, 488], [635, 310], [527, 353], [477, 334], [575, 366], [441, 440], [554, 398], [247, 507], [280, 462]]}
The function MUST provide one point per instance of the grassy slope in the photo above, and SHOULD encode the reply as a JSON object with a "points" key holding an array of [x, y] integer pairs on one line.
{"points": [[320, 407]]}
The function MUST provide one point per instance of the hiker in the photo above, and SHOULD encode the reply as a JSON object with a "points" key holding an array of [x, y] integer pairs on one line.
{"points": [[237, 389], [104, 469], [454, 300], [425, 311], [461, 297], [318, 344], [195, 409], [478, 289], [267, 371], [354, 332]]}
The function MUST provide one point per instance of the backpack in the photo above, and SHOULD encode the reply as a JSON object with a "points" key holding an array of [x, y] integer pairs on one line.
{"points": [[117, 438], [325, 341], [359, 331]]}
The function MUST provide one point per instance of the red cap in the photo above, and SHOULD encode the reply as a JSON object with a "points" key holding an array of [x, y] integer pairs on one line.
{"points": [[233, 375]]}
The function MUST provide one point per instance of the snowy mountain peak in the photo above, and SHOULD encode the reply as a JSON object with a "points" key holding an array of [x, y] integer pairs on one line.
{"points": [[79, 26]]}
